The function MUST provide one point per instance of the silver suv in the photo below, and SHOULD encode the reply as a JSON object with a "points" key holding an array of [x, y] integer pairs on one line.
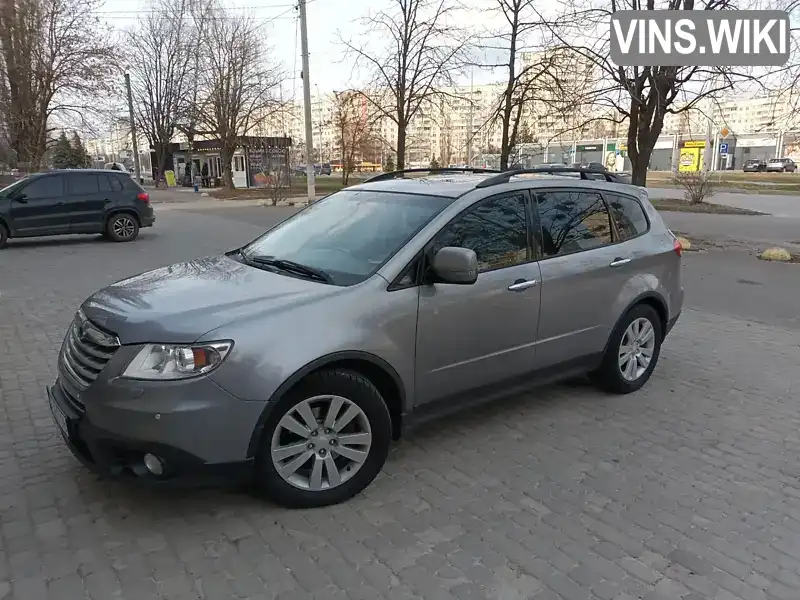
{"points": [[296, 359]]}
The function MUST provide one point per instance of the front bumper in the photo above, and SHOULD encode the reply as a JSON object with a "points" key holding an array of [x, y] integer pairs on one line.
{"points": [[192, 429]]}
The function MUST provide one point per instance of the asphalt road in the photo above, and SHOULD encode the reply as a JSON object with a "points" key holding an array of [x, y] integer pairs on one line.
{"points": [[685, 490]]}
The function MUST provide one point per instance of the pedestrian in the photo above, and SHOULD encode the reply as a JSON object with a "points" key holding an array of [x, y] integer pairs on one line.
{"points": [[204, 171], [115, 167]]}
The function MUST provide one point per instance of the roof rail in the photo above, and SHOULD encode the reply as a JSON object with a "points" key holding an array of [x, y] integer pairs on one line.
{"points": [[397, 174], [584, 173]]}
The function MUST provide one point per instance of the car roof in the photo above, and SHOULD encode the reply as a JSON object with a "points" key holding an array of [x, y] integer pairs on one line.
{"points": [[63, 171], [449, 186], [457, 184]]}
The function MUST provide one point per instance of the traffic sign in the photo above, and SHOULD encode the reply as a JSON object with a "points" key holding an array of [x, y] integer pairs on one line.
{"points": [[723, 148], [724, 132]]}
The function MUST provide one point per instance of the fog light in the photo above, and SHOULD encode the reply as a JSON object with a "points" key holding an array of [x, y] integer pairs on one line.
{"points": [[153, 464]]}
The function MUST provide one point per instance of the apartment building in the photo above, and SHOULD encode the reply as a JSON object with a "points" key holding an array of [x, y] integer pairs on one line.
{"points": [[768, 114]]}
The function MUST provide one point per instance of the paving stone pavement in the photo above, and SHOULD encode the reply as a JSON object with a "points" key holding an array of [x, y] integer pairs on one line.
{"points": [[686, 490]]}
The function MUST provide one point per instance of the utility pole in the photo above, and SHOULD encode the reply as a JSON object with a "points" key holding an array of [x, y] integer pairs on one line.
{"points": [[470, 133], [137, 167], [307, 101]]}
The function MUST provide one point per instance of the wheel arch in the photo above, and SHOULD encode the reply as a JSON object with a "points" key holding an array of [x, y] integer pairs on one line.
{"points": [[651, 299], [379, 372], [122, 210], [7, 225]]}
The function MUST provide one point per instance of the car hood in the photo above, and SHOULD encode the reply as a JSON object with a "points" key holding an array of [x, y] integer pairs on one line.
{"points": [[181, 302]]}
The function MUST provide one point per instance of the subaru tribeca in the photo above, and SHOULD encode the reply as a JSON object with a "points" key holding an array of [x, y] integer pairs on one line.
{"points": [[294, 360]]}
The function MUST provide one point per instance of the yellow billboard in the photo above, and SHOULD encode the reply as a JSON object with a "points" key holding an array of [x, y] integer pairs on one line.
{"points": [[691, 158]]}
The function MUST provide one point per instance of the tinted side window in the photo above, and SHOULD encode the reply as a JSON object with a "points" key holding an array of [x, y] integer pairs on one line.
{"points": [[104, 182], [572, 222], [116, 184], [44, 187], [82, 185], [495, 229], [628, 215]]}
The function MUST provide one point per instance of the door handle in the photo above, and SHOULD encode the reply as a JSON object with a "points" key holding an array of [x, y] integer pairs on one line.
{"points": [[21, 200], [618, 262], [521, 284]]}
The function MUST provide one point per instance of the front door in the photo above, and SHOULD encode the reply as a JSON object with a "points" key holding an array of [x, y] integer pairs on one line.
{"points": [[87, 197], [239, 171], [39, 208], [469, 336], [579, 285]]}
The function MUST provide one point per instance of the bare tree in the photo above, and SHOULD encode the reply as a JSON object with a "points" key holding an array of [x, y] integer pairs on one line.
{"points": [[237, 83], [353, 123], [162, 72], [54, 57], [642, 96], [420, 52], [533, 79]]}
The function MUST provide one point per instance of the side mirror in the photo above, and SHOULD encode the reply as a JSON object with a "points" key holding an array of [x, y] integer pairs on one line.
{"points": [[21, 198], [456, 265]]}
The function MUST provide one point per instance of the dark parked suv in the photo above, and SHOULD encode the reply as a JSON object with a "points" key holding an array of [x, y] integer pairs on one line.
{"points": [[75, 201]]}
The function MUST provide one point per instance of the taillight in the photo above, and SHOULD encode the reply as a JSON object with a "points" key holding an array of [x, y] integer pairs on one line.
{"points": [[144, 197], [676, 245]]}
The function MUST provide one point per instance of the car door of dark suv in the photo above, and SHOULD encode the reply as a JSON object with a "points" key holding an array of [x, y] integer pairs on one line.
{"points": [[39, 207], [86, 201]]}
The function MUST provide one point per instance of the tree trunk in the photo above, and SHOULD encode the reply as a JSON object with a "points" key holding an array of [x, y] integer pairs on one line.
{"points": [[639, 175], [401, 147], [226, 154]]}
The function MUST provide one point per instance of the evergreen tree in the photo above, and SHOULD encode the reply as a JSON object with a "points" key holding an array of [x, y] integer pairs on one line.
{"points": [[434, 163], [80, 159], [389, 166], [62, 152]]}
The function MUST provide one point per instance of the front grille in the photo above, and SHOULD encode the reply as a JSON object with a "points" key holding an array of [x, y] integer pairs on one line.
{"points": [[85, 351]]}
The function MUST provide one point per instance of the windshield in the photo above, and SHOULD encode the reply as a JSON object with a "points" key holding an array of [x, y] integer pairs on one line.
{"points": [[349, 234]]}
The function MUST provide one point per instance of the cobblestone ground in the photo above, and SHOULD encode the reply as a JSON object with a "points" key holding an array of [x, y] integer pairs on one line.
{"points": [[688, 489]]}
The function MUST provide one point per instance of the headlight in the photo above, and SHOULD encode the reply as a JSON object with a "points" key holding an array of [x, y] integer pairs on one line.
{"points": [[169, 362]]}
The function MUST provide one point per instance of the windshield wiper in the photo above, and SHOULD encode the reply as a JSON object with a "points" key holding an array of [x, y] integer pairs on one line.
{"points": [[290, 267]]}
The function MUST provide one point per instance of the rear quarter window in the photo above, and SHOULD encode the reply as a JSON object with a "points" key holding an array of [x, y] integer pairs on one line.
{"points": [[116, 183], [628, 215]]}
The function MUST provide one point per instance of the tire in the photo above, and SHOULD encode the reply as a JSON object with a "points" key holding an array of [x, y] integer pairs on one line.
{"points": [[3, 235], [122, 227], [345, 392], [609, 376]]}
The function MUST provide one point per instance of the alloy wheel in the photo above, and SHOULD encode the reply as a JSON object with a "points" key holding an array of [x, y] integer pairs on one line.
{"points": [[636, 349], [321, 442], [124, 227]]}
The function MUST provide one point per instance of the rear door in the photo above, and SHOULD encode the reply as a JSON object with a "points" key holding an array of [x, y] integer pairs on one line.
{"points": [[39, 207], [582, 270], [87, 201], [469, 336]]}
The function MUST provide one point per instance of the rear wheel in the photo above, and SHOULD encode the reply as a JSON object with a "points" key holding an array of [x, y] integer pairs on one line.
{"points": [[122, 227], [632, 352], [324, 442]]}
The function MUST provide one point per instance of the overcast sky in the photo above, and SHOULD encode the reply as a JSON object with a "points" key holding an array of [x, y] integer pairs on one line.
{"points": [[325, 19]]}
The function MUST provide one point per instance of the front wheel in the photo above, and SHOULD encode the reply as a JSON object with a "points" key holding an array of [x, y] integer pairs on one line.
{"points": [[3, 235], [632, 352], [324, 442]]}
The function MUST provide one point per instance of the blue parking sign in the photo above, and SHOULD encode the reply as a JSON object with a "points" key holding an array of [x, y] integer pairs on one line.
{"points": [[723, 148]]}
